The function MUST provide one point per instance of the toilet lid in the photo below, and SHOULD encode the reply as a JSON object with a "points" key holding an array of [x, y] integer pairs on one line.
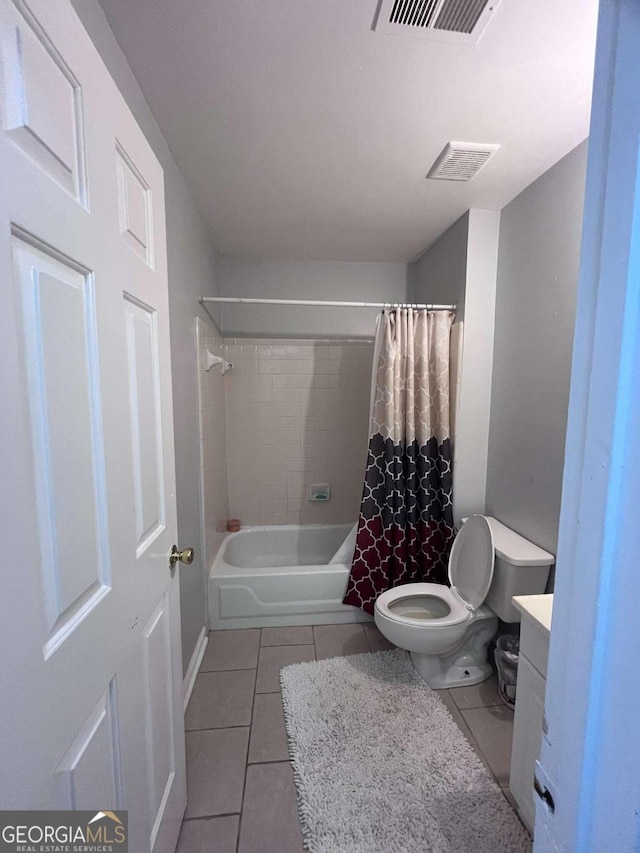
{"points": [[471, 561]]}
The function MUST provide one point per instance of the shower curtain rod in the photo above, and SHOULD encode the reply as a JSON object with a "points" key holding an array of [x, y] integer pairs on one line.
{"points": [[249, 300]]}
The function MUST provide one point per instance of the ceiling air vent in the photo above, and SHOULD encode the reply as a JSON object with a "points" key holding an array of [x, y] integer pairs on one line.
{"points": [[461, 161], [461, 21]]}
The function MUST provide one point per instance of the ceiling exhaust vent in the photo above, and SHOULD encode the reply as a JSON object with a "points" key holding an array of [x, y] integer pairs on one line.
{"points": [[461, 161], [461, 21]]}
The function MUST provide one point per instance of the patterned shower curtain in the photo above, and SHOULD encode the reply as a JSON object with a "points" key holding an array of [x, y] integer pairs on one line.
{"points": [[405, 529]]}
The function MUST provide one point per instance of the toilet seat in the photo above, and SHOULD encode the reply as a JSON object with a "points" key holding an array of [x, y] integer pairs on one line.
{"points": [[458, 610], [470, 572]]}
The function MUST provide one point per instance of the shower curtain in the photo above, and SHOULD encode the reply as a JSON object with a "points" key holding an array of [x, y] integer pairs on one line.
{"points": [[405, 528]]}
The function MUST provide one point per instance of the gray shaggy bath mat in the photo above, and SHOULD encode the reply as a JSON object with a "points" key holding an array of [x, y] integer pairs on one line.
{"points": [[381, 767]]}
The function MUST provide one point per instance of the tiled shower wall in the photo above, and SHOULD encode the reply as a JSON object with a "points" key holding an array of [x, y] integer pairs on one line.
{"points": [[213, 455], [297, 413]]}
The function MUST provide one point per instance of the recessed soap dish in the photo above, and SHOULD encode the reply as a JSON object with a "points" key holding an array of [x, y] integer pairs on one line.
{"points": [[319, 492]]}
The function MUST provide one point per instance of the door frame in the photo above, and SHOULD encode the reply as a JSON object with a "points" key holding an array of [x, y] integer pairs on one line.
{"points": [[589, 756]]}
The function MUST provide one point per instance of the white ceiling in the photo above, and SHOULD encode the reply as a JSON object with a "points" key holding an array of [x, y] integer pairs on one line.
{"points": [[305, 134]]}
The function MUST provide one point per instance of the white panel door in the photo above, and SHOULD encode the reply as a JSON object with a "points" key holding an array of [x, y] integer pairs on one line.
{"points": [[90, 671]]}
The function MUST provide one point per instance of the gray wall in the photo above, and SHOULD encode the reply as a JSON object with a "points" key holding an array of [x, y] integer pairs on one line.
{"points": [[538, 262], [461, 268], [440, 273], [348, 280], [192, 264]]}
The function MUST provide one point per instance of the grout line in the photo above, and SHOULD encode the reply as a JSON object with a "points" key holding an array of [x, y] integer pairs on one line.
{"points": [[211, 816], [246, 763], [273, 761], [487, 763], [253, 709], [232, 669], [472, 740], [473, 743], [220, 728], [238, 833], [366, 636], [476, 707]]}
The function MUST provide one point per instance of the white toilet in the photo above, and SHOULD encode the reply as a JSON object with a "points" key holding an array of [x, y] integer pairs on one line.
{"points": [[447, 629]]}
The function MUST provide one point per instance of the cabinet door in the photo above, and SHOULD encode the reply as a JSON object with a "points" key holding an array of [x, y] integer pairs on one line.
{"points": [[527, 734]]}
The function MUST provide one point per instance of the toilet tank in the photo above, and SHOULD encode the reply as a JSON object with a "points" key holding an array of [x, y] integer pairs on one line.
{"points": [[521, 568]]}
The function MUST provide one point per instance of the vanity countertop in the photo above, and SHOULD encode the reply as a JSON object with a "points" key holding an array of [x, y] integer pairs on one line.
{"points": [[538, 608]]}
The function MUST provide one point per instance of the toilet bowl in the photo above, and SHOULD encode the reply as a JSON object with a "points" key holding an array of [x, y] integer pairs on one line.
{"points": [[447, 629]]}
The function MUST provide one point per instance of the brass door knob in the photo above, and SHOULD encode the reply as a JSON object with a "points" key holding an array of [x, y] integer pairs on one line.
{"points": [[185, 556]]}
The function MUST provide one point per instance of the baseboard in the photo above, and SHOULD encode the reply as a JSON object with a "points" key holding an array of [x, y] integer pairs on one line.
{"points": [[194, 666]]}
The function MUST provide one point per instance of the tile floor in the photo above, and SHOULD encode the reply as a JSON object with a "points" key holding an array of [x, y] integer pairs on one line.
{"points": [[241, 795]]}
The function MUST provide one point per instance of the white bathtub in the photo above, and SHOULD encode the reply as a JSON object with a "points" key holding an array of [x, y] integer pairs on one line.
{"points": [[272, 576]]}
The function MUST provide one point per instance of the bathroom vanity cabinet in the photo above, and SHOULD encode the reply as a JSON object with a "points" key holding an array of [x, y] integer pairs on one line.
{"points": [[529, 713]]}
